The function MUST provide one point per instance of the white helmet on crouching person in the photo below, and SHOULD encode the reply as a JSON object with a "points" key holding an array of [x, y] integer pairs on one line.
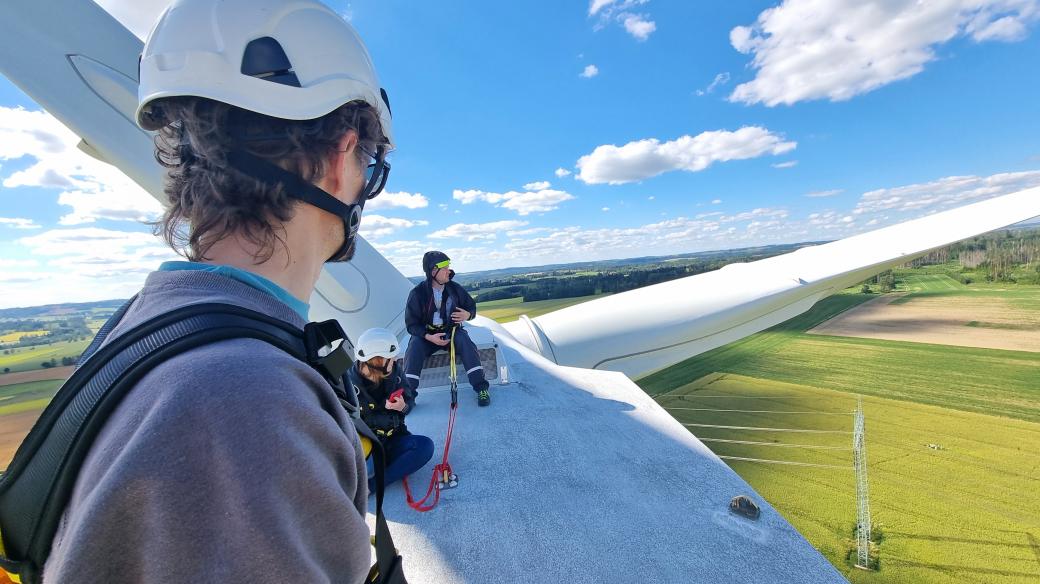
{"points": [[376, 342]]}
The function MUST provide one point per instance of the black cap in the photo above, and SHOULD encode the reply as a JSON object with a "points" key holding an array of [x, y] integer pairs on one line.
{"points": [[431, 259]]}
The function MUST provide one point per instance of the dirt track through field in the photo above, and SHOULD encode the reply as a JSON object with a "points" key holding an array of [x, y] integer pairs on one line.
{"points": [[36, 375], [988, 323]]}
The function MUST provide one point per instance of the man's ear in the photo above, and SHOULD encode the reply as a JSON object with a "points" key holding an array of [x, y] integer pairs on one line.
{"points": [[345, 153]]}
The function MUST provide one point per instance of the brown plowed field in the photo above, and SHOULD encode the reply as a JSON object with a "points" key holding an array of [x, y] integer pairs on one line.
{"points": [[36, 375], [13, 431], [990, 323]]}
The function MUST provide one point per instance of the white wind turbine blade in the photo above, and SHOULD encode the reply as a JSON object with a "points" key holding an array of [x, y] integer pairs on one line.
{"points": [[645, 330]]}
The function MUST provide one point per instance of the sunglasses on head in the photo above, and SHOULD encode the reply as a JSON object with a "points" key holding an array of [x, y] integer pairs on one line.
{"points": [[442, 265]]}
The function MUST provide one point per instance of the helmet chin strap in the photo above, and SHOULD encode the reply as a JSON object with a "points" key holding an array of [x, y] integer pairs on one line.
{"points": [[301, 190]]}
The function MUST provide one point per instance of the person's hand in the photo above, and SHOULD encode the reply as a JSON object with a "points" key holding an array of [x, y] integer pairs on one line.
{"points": [[437, 339], [460, 315], [396, 405]]}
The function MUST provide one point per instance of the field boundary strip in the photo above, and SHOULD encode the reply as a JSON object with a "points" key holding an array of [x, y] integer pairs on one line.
{"points": [[778, 444], [767, 429], [787, 462], [759, 411]]}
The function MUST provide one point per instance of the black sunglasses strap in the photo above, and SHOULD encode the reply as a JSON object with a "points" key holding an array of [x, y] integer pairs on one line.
{"points": [[296, 187]]}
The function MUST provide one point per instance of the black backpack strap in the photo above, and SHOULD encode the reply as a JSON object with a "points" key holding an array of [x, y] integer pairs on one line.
{"points": [[387, 569], [39, 481]]}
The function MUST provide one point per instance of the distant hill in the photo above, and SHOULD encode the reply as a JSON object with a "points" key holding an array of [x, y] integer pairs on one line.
{"points": [[63, 309]]}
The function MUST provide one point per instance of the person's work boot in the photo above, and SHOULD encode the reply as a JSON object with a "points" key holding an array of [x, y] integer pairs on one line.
{"points": [[483, 398]]}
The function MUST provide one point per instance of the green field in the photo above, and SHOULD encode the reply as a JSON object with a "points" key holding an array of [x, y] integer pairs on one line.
{"points": [[17, 336], [962, 510], [510, 309], [15, 397], [29, 358], [988, 381], [929, 283], [1017, 296]]}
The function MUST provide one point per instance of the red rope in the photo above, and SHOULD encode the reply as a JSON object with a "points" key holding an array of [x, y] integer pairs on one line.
{"points": [[441, 472]]}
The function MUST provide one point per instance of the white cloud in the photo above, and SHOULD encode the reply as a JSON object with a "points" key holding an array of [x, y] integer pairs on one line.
{"points": [[18, 263], [837, 49], [717, 230], [716, 201], [618, 11], [399, 245], [87, 207], [827, 225], [93, 189], [476, 231], [531, 231], [82, 264], [597, 5], [720, 80], [575, 243], [121, 258], [647, 158], [387, 200], [827, 193], [406, 255], [788, 164], [637, 25], [590, 71], [373, 226], [18, 223], [758, 213], [945, 192], [605, 209], [88, 240], [537, 186], [609, 7], [523, 203], [651, 198], [562, 172]]}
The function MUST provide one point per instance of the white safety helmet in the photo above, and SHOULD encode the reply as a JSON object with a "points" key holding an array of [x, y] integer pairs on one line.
{"points": [[376, 342], [288, 59]]}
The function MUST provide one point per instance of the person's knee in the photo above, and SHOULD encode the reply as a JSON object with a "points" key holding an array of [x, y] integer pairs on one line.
{"points": [[423, 447]]}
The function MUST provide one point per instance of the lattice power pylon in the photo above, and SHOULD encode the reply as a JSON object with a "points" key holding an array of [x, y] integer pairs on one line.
{"points": [[859, 453]]}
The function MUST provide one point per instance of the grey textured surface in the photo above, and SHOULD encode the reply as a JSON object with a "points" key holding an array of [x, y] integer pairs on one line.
{"points": [[576, 475], [435, 371]]}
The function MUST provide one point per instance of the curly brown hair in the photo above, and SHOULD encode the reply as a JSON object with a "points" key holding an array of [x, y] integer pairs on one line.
{"points": [[208, 200]]}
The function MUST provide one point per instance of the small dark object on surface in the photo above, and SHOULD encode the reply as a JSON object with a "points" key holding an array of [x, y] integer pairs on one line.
{"points": [[744, 506]]}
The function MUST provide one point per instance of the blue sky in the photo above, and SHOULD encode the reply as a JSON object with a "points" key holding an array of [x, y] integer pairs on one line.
{"points": [[660, 127]]}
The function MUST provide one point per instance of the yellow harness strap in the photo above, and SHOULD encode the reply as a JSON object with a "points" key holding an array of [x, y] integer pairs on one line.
{"points": [[366, 446], [5, 576], [451, 355]]}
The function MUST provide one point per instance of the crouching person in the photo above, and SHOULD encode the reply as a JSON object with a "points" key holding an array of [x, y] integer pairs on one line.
{"points": [[385, 399], [436, 308]]}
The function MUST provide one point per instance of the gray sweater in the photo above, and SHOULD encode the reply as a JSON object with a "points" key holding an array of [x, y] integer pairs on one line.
{"points": [[222, 465]]}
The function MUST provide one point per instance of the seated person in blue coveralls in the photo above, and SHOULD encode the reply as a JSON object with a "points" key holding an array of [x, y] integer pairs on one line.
{"points": [[385, 399], [435, 307]]}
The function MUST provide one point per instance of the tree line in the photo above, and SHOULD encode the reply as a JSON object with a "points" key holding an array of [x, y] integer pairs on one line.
{"points": [[73, 328], [563, 285], [1001, 256]]}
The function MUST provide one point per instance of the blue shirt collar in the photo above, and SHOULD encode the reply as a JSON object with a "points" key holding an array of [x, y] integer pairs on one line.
{"points": [[255, 280]]}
